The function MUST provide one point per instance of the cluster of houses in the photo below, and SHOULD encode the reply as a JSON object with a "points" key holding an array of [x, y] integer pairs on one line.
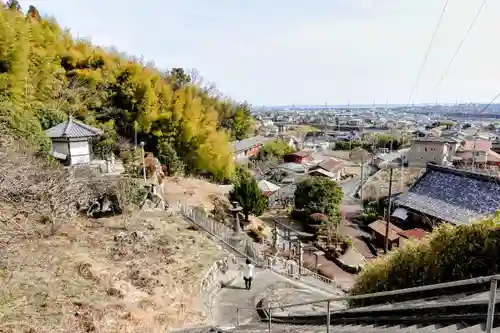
{"points": [[453, 150], [446, 192], [443, 194]]}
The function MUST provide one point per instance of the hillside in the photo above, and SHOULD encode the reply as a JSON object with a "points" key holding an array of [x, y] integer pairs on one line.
{"points": [[63, 272], [94, 277], [45, 75]]}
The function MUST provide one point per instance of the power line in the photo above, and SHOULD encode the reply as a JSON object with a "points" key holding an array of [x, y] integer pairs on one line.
{"points": [[461, 42], [491, 102], [428, 51]]}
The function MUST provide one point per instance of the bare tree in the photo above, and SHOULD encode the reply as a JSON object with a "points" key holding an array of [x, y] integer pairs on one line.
{"points": [[208, 87], [38, 190], [195, 76]]}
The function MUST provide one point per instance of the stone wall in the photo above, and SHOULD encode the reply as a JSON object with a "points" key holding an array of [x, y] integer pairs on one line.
{"points": [[219, 274]]}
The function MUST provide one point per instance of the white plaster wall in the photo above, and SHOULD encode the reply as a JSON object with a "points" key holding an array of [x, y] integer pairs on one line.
{"points": [[80, 152], [60, 147]]}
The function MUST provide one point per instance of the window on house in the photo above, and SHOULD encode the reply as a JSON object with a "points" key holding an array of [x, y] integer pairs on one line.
{"points": [[425, 149]]}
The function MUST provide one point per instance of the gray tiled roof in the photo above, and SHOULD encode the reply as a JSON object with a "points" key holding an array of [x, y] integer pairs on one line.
{"points": [[72, 129], [452, 195], [245, 144], [442, 139]]}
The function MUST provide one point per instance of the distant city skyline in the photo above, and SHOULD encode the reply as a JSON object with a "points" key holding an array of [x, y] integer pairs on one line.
{"points": [[369, 105], [285, 52]]}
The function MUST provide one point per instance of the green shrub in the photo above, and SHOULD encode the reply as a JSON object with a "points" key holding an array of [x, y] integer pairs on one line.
{"points": [[448, 254], [346, 244], [257, 234]]}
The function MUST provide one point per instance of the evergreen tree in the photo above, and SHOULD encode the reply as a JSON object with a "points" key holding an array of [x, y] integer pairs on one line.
{"points": [[169, 158], [33, 13], [247, 193]]}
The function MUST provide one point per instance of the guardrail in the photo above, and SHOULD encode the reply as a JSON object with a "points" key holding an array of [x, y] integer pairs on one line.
{"points": [[492, 280], [244, 245]]}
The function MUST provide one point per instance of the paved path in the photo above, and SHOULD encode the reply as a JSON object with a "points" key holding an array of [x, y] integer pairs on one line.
{"points": [[236, 296]]}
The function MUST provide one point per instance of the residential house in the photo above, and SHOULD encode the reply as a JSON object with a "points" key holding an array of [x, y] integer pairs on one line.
{"points": [[416, 234], [355, 122], [301, 157], [445, 194], [267, 188], [270, 130], [316, 144], [378, 231], [477, 152], [71, 141], [438, 150], [397, 237], [292, 141], [495, 145], [398, 157], [331, 168], [246, 148]]}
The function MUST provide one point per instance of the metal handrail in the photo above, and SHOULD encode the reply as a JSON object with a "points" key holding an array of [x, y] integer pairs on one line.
{"points": [[492, 279], [478, 280]]}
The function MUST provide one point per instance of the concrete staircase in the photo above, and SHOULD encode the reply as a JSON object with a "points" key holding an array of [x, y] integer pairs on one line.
{"points": [[465, 312], [283, 328]]}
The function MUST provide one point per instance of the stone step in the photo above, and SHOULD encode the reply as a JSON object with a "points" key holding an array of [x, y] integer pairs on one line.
{"points": [[261, 327], [285, 328]]}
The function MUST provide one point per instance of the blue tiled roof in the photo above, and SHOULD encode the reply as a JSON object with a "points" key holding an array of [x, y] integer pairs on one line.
{"points": [[72, 129], [452, 195]]}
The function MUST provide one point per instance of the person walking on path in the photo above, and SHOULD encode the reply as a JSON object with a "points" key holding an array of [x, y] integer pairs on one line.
{"points": [[248, 274]]}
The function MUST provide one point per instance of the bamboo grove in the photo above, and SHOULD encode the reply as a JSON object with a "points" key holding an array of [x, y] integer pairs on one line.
{"points": [[46, 75]]}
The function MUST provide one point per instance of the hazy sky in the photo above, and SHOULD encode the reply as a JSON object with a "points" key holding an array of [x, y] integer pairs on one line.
{"points": [[303, 52]]}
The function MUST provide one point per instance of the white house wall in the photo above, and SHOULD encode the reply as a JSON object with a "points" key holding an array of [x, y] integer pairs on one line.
{"points": [[80, 152]]}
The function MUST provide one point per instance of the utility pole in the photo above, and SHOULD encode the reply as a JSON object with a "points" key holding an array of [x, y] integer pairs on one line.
{"points": [[386, 247], [135, 134], [474, 154], [143, 162], [362, 174]]}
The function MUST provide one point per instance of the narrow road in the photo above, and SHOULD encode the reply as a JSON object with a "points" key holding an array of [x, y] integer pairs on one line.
{"points": [[352, 207]]}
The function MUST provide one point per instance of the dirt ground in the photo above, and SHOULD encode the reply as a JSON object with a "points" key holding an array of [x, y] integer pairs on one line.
{"points": [[201, 193], [378, 184], [192, 191], [96, 276]]}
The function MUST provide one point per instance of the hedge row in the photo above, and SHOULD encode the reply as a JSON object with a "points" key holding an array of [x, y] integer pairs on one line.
{"points": [[450, 253]]}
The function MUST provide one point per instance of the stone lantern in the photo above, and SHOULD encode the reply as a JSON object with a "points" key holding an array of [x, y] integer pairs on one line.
{"points": [[236, 209]]}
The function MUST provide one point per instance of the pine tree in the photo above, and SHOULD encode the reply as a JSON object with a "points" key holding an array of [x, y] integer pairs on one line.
{"points": [[169, 158], [33, 13], [247, 193]]}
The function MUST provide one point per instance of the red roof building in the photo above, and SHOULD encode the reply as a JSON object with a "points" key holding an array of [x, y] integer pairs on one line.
{"points": [[298, 157]]}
